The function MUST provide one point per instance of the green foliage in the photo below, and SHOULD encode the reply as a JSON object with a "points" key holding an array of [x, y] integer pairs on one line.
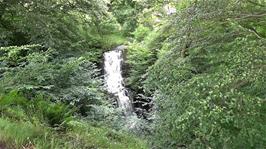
{"points": [[80, 134], [102, 137], [53, 49], [73, 81], [208, 88], [49, 53], [218, 106], [204, 66], [15, 106], [62, 25], [15, 135], [143, 52], [112, 40], [126, 12], [17, 56], [139, 60], [54, 113], [23, 124], [141, 32]]}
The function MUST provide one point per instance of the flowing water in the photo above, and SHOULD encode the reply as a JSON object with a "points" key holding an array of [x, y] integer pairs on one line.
{"points": [[113, 78]]}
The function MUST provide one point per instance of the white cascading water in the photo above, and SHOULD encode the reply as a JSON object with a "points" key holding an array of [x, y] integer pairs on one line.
{"points": [[114, 80]]}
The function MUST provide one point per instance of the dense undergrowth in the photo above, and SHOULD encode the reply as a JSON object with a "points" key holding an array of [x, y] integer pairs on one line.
{"points": [[40, 123]]}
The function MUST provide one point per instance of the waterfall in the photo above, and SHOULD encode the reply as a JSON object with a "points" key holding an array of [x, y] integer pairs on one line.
{"points": [[113, 78]]}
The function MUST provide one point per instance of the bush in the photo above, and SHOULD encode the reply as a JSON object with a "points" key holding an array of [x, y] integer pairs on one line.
{"points": [[15, 106], [139, 59], [141, 32], [74, 81], [56, 114]]}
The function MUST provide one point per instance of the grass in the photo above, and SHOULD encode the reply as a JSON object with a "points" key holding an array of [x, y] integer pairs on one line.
{"points": [[26, 124], [79, 135]]}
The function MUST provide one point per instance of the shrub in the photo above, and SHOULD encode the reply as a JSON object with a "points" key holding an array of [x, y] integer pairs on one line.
{"points": [[15, 106], [74, 81], [141, 32]]}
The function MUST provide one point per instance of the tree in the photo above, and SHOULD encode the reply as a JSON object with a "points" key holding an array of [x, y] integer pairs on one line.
{"points": [[207, 88]]}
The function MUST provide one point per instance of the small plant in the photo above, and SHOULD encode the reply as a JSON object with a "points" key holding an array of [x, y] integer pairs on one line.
{"points": [[15, 106], [56, 114]]}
